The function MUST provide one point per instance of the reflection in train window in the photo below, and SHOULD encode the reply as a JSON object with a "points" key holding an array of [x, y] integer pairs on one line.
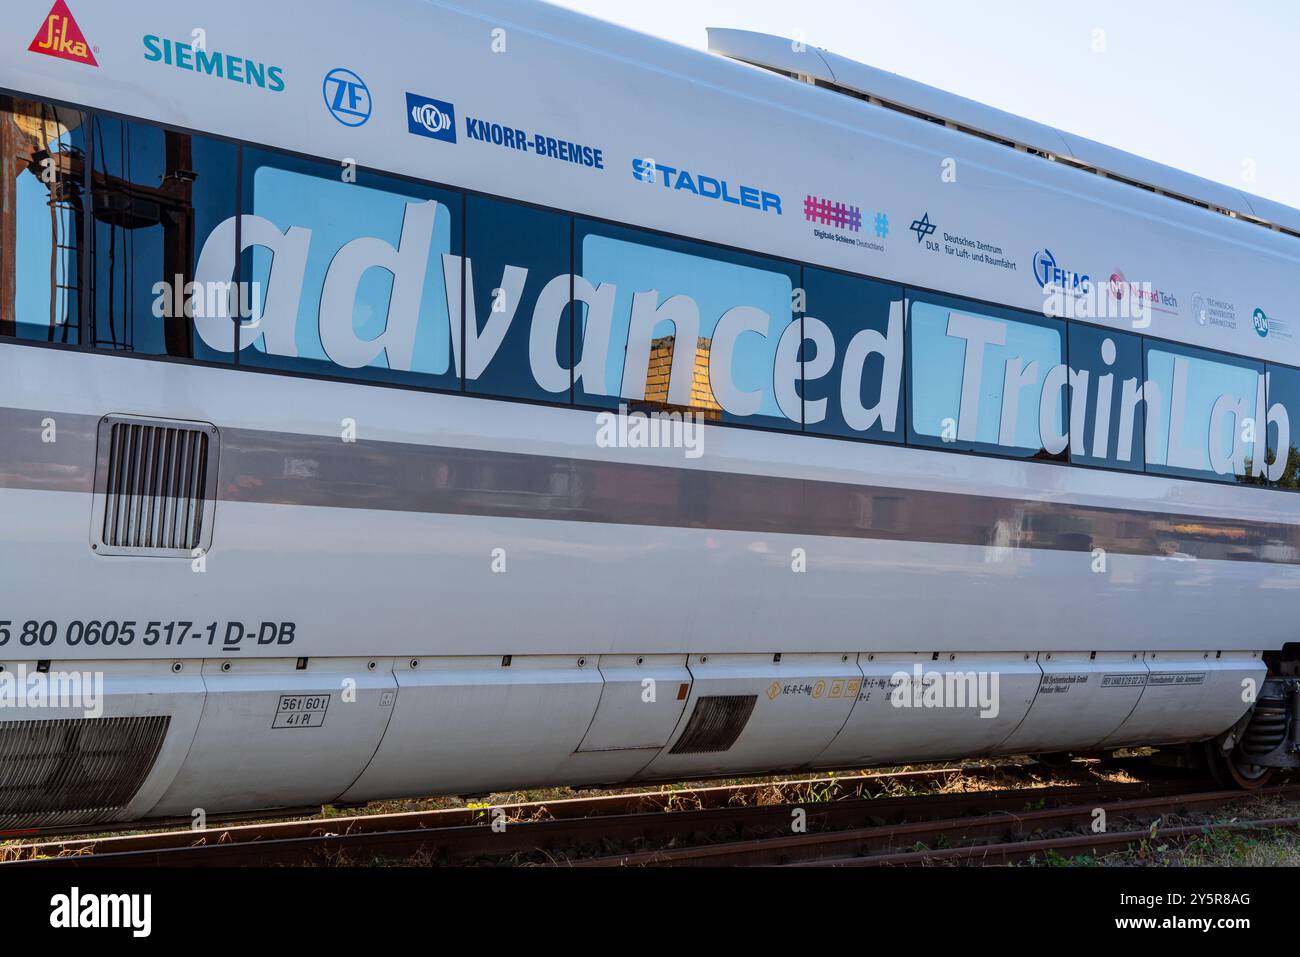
{"points": [[42, 219], [1283, 419], [158, 196], [674, 323]]}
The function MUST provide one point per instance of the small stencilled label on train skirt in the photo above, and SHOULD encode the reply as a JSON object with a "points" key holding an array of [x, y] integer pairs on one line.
{"points": [[1061, 683], [301, 711]]}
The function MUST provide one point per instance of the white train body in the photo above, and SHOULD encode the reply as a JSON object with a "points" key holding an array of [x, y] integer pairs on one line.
{"points": [[402, 588]]}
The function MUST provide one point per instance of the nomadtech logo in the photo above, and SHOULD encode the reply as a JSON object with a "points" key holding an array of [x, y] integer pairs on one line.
{"points": [[60, 37]]}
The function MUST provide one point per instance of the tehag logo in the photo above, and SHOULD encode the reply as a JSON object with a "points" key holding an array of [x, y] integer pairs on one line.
{"points": [[61, 37]]}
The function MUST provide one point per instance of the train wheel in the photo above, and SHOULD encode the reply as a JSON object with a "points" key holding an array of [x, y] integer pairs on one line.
{"points": [[1232, 770]]}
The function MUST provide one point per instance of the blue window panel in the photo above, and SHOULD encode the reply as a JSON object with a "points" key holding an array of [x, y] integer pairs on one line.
{"points": [[507, 243], [700, 285], [864, 320], [1103, 353], [1205, 423], [999, 388], [368, 262]]}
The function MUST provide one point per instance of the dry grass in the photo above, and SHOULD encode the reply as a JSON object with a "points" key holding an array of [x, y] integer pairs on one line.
{"points": [[1214, 848]]}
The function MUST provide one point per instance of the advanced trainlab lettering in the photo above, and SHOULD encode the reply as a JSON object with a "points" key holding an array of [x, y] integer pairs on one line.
{"points": [[1185, 426]]}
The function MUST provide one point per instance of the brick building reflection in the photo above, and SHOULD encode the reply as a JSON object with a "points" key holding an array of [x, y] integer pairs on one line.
{"points": [[658, 373]]}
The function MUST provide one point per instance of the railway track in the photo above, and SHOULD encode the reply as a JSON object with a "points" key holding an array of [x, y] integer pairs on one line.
{"points": [[994, 838], [845, 820]]}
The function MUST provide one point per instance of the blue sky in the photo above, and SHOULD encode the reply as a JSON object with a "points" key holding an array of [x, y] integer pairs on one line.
{"points": [[1203, 85]]}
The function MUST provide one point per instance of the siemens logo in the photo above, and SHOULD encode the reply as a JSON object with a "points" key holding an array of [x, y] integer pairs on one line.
{"points": [[708, 187], [185, 56], [547, 147]]}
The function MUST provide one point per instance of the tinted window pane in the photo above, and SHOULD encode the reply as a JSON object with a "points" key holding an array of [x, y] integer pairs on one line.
{"points": [[653, 296], [42, 152], [1283, 420], [158, 196], [986, 379], [1113, 423], [514, 253], [1203, 425], [350, 278], [853, 356]]}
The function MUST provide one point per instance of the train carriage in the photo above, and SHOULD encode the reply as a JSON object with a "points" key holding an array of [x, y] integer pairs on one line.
{"points": [[479, 396]]}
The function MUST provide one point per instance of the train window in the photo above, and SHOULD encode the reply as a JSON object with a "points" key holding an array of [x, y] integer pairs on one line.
{"points": [[518, 261], [159, 196], [1203, 410], [1108, 370], [349, 272], [676, 324], [1283, 422], [852, 356], [986, 379], [42, 219]]}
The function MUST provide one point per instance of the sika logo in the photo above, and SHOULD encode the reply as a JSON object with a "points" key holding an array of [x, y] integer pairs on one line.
{"points": [[61, 37]]}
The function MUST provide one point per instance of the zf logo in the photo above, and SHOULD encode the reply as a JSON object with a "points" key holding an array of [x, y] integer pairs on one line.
{"points": [[61, 37], [347, 97], [432, 118]]}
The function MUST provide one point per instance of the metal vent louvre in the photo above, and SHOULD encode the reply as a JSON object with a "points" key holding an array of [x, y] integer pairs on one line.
{"points": [[74, 770], [156, 481], [715, 724]]}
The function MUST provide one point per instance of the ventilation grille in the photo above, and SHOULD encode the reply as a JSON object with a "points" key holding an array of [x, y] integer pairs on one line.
{"points": [[715, 723], [156, 486], [75, 770]]}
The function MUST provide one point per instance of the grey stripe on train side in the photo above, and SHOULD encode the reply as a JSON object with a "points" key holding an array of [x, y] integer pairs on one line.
{"points": [[296, 469]]}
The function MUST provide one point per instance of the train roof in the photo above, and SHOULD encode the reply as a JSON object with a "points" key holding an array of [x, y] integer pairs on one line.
{"points": [[880, 87]]}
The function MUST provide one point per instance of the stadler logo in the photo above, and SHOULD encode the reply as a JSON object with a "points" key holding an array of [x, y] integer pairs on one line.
{"points": [[1261, 323], [432, 118], [347, 97], [707, 187], [1049, 274], [61, 37]]}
